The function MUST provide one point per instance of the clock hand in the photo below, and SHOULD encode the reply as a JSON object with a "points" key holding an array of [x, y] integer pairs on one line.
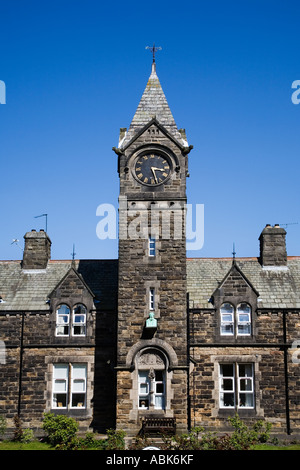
{"points": [[160, 169], [153, 171]]}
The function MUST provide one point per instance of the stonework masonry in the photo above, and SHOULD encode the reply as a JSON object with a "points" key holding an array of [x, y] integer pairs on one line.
{"points": [[152, 335]]}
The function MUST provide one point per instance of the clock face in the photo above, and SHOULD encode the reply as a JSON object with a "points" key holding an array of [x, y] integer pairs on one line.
{"points": [[152, 169]]}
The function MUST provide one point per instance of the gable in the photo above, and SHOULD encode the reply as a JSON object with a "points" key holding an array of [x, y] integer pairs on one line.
{"points": [[234, 288], [154, 131], [235, 283], [72, 286]]}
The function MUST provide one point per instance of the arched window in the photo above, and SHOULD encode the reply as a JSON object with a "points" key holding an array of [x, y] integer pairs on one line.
{"points": [[74, 325], [235, 322], [79, 320], [227, 319], [244, 319], [62, 320], [151, 380]]}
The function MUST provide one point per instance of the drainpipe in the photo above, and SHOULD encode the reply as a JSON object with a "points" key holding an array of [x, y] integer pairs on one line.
{"points": [[188, 362], [21, 363], [286, 376]]}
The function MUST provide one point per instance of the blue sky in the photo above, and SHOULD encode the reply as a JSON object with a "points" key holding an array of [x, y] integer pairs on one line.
{"points": [[75, 71]]}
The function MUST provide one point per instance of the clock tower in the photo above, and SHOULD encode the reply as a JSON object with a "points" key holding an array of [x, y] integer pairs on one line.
{"points": [[152, 356]]}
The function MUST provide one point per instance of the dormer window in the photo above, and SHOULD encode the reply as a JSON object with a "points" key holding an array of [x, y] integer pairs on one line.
{"points": [[235, 321], [243, 319], [71, 324], [79, 320], [227, 319], [62, 320]]}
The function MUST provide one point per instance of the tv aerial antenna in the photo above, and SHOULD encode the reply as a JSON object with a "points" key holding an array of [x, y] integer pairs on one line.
{"points": [[290, 223], [16, 242], [46, 216]]}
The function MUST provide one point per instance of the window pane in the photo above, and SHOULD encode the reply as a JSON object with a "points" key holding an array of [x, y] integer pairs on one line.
{"points": [[244, 319], [227, 308], [60, 371], [244, 329], [80, 309], [246, 400], [62, 320], [79, 385], [159, 375], [159, 388], [227, 399], [227, 384], [78, 400], [227, 370], [59, 400], [159, 402], [227, 319], [152, 246], [79, 371], [60, 385], [63, 310], [143, 376], [227, 329], [246, 385], [151, 298], [245, 370], [245, 308], [144, 402]]}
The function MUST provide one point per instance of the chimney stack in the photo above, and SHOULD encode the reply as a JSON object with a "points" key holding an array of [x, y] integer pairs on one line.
{"points": [[273, 246], [37, 250]]}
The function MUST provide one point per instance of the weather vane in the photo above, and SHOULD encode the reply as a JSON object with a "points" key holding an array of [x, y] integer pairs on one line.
{"points": [[234, 252], [153, 49]]}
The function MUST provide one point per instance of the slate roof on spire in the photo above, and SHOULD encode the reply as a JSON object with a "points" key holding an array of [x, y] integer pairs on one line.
{"points": [[153, 104]]}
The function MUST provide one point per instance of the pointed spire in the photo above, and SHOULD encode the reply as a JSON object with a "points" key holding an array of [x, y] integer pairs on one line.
{"points": [[153, 104]]}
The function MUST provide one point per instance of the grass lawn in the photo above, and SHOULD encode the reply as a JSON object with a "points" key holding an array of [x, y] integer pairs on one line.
{"points": [[278, 447], [34, 445]]}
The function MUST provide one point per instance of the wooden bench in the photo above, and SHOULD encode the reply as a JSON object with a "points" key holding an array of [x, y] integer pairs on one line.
{"points": [[153, 425]]}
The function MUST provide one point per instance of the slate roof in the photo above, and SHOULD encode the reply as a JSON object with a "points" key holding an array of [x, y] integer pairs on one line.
{"points": [[153, 104], [277, 287], [30, 289]]}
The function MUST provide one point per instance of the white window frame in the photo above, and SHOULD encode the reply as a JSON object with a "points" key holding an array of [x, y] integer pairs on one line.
{"points": [[241, 324], [60, 320], [149, 393], [152, 298], [151, 246], [67, 321], [144, 389], [69, 385], [159, 395], [80, 379], [237, 390], [228, 323], [234, 326], [80, 324], [56, 390]]}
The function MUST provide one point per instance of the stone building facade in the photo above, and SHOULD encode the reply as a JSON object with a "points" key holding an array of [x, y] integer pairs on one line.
{"points": [[153, 336]]}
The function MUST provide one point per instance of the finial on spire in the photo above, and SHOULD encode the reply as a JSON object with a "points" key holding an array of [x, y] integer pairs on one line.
{"points": [[73, 256], [153, 49], [233, 253]]}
